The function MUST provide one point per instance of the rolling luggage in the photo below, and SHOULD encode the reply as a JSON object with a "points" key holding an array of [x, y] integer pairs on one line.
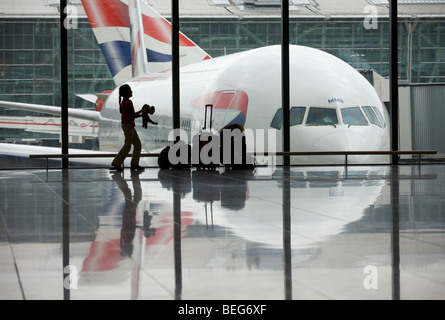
{"points": [[206, 145]]}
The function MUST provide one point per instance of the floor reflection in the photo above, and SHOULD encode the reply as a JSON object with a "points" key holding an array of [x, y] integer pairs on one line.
{"points": [[302, 233]]}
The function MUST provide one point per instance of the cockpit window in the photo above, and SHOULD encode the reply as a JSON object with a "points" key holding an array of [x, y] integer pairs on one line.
{"points": [[322, 116], [372, 116], [277, 120], [353, 116], [379, 115], [296, 117]]}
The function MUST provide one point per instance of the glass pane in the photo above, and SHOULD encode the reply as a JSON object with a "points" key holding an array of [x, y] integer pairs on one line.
{"points": [[371, 116], [379, 115], [353, 116], [297, 115], [277, 120], [322, 117]]}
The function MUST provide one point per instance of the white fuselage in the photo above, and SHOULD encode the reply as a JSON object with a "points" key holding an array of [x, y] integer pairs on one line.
{"points": [[327, 96]]}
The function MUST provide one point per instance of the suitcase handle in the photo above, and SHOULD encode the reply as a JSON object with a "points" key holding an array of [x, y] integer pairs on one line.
{"points": [[205, 117]]}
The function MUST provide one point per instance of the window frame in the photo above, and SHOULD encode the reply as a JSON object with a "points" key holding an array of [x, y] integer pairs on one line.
{"points": [[365, 123], [373, 115], [335, 109], [277, 120]]}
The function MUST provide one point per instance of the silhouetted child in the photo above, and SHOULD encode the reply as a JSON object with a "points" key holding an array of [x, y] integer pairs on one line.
{"points": [[128, 116]]}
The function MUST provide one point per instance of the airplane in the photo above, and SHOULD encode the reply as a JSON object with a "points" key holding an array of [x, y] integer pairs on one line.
{"points": [[333, 107]]}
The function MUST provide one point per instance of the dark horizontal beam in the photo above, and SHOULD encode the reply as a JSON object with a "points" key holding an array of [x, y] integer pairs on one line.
{"points": [[285, 154], [315, 153], [344, 153], [87, 155]]}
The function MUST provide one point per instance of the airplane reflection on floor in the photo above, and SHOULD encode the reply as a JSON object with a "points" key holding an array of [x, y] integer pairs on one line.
{"points": [[303, 233]]}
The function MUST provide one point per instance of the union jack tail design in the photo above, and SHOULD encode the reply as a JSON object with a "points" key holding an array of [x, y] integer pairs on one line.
{"points": [[138, 52], [135, 39]]}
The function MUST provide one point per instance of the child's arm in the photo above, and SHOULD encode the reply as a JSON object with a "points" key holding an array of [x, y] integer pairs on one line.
{"points": [[138, 114], [145, 109]]}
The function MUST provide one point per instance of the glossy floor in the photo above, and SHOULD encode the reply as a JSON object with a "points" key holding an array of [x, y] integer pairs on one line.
{"points": [[374, 232]]}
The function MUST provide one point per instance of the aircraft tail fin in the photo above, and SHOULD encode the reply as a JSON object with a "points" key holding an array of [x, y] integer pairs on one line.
{"points": [[111, 27], [118, 29], [158, 41], [138, 52]]}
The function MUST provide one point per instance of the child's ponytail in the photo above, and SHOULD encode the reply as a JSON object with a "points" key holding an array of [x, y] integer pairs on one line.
{"points": [[123, 92]]}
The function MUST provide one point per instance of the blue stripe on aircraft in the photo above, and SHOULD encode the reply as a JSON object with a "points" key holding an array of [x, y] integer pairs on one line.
{"points": [[154, 56], [117, 54], [240, 119]]}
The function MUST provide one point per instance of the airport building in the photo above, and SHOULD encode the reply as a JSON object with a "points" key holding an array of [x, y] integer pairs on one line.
{"points": [[355, 31]]}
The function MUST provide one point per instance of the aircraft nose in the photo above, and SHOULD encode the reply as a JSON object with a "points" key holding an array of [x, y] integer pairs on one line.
{"points": [[341, 141]]}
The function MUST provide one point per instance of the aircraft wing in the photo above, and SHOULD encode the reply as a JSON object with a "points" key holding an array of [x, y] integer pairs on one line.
{"points": [[24, 151], [20, 150], [75, 113], [72, 133]]}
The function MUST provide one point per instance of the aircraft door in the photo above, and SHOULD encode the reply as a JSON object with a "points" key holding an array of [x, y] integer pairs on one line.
{"points": [[221, 109]]}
